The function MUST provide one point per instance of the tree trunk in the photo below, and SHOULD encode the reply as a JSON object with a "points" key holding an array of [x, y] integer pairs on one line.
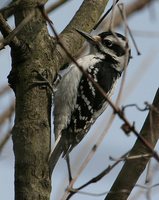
{"points": [[31, 132]]}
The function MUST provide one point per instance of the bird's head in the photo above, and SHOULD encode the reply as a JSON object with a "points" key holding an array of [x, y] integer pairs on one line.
{"points": [[112, 45]]}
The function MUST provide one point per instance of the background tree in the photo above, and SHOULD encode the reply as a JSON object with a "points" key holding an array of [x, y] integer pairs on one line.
{"points": [[32, 50]]}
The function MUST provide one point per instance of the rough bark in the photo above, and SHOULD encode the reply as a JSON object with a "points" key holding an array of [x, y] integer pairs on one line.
{"points": [[132, 169], [31, 132]]}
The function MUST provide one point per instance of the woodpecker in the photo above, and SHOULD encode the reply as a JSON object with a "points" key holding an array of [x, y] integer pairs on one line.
{"points": [[77, 103]]}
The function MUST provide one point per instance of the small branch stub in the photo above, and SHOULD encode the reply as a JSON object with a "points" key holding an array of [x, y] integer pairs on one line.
{"points": [[126, 128]]}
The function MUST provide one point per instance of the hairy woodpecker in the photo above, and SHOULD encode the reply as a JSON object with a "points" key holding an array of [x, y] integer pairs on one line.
{"points": [[77, 103]]}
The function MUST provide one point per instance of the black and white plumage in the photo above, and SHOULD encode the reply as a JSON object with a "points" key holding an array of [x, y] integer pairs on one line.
{"points": [[77, 103]]}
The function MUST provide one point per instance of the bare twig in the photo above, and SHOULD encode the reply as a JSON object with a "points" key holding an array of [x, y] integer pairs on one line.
{"points": [[7, 114], [96, 194], [121, 6], [136, 78], [69, 167], [4, 89], [98, 177], [122, 11], [106, 171], [4, 140], [72, 190], [105, 15], [6, 31], [13, 33], [137, 107], [147, 187], [133, 7], [111, 24], [131, 157], [56, 5], [9, 9]]}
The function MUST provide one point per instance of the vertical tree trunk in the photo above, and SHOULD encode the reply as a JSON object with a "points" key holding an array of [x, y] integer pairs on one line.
{"points": [[31, 132]]}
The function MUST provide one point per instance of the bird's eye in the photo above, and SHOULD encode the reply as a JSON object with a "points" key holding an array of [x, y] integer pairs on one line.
{"points": [[108, 43]]}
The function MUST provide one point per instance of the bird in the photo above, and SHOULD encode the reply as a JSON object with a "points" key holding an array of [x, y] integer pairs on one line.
{"points": [[77, 102]]}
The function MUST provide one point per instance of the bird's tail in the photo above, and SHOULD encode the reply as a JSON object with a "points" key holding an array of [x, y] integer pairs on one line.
{"points": [[56, 153], [62, 147]]}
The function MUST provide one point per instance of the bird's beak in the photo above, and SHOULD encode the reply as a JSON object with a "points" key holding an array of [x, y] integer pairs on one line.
{"points": [[91, 39]]}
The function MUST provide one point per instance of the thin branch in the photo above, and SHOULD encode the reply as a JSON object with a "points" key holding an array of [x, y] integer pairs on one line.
{"points": [[118, 99], [110, 192], [69, 167], [56, 5], [4, 89], [105, 15], [96, 194], [105, 172], [137, 77], [4, 140], [130, 9], [13, 33], [147, 187], [136, 106], [7, 114], [111, 24], [6, 31], [8, 10], [123, 15], [72, 190], [96, 178], [131, 157]]}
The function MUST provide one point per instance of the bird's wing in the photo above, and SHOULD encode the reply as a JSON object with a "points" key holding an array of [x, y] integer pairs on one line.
{"points": [[66, 95]]}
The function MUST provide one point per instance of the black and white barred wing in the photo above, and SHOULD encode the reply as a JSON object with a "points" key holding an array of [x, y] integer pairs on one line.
{"points": [[90, 103], [65, 99]]}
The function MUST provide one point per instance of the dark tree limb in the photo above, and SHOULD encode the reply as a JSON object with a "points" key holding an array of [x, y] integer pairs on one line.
{"points": [[132, 169]]}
